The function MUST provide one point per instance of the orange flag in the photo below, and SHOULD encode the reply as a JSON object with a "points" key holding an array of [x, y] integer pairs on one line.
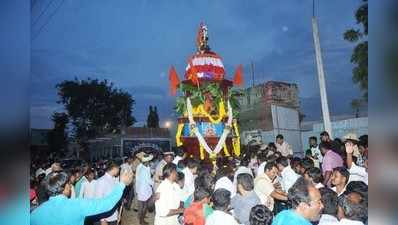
{"points": [[174, 80], [238, 78]]}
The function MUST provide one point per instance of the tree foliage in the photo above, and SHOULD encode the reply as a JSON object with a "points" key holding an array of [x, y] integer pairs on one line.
{"points": [[95, 107], [359, 56], [58, 136], [153, 117]]}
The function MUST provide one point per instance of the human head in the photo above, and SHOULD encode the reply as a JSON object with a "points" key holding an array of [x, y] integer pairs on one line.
{"points": [[170, 172], [340, 176], [279, 139], [272, 146], [324, 147], [305, 199], [260, 215], [57, 183], [168, 157], [306, 164], [180, 179], [201, 194], [245, 183], [221, 199], [90, 175], [244, 162], [271, 170], [261, 157], [192, 165], [353, 206], [313, 175], [112, 168], [74, 175], [357, 186], [313, 141], [282, 162], [329, 201], [295, 164], [325, 136], [204, 181], [56, 167]]}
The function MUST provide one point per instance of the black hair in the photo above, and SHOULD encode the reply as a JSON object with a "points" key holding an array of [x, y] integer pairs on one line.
{"points": [[329, 201], [324, 133], [262, 157], [182, 163], [245, 161], [260, 215], [354, 210], [299, 193], [307, 163], [315, 174], [284, 161], [279, 136], [191, 163], [221, 199], [55, 183], [357, 186], [324, 145], [312, 138], [308, 152], [269, 166], [246, 180], [168, 169], [180, 176], [271, 145], [110, 165], [294, 162], [344, 172], [225, 171], [200, 193], [205, 181]]}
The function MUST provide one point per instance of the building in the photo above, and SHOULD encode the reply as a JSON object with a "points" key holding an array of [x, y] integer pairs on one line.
{"points": [[131, 140], [269, 109]]}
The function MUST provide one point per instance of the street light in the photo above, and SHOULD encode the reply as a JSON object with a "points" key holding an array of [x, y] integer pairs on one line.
{"points": [[167, 124]]}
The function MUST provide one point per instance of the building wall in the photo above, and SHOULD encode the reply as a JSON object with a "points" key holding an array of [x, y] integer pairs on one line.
{"points": [[359, 126]]}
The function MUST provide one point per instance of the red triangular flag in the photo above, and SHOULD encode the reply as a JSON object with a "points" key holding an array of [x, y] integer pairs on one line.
{"points": [[238, 79], [174, 80]]}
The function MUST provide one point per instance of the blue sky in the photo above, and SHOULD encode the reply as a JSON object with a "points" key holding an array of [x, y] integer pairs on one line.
{"points": [[134, 42]]}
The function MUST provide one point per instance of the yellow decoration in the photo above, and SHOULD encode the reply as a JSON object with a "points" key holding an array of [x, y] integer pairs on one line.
{"points": [[226, 153], [236, 141], [199, 110], [202, 152], [178, 134]]}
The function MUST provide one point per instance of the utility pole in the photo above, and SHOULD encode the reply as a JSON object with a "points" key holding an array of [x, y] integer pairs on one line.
{"points": [[321, 76], [252, 69]]}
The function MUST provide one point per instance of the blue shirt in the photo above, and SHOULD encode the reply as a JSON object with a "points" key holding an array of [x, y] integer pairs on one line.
{"points": [[290, 217], [60, 210]]}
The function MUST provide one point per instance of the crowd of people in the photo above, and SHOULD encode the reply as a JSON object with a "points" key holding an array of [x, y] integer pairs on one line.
{"points": [[266, 185]]}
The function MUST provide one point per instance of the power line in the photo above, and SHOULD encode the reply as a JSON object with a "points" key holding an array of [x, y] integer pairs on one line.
{"points": [[48, 20], [42, 12]]}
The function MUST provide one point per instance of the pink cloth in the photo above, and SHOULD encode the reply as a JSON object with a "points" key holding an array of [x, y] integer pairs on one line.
{"points": [[330, 161]]}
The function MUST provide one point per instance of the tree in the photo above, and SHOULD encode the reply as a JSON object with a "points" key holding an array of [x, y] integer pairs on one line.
{"points": [[359, 56], [58, 136], [95, 107], [153, 118]]}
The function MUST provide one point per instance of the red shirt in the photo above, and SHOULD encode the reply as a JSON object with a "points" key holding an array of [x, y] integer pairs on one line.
{"points": [[194, 215]]}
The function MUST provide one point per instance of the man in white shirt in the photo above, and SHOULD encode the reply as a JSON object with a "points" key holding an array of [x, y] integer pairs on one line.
{"points": [[283, 147], [264, 187], [329, 212], [352, 209], [221, 201], [262, 160], [87, 189], [189, 178], [104, 187], [143, 186], [357, 173], [316, 154], [168, 205], [158, 177], [288, 175]]}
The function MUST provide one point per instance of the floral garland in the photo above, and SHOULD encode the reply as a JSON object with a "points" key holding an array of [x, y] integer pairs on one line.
{"points": [[201, 140]]}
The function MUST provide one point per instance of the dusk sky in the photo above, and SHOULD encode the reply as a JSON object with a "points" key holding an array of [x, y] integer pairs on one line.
{"points": [[133, 43]]}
